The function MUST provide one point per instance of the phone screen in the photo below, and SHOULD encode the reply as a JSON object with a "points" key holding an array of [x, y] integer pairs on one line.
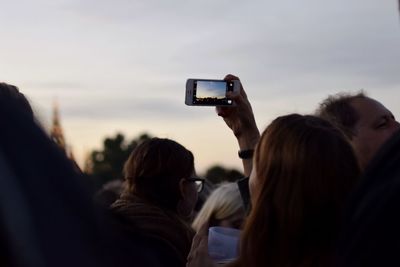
{"points": [[211, 92]]}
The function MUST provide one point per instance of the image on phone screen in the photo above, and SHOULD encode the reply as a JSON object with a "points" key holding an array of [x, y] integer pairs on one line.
{"points": [[211, 92]]}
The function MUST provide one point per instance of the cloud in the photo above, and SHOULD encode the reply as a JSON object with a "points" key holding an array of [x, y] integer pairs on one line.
{"points": [[135, 108], [54, 85]]}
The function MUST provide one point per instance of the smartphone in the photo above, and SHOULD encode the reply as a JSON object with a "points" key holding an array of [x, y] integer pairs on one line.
{"points": [[202, 92]]}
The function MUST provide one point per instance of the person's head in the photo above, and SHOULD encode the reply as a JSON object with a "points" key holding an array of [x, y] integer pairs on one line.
{"points": [[366, 122], [303, 170], [161, 171], [14, 96], [224, 207], [109, 193]]}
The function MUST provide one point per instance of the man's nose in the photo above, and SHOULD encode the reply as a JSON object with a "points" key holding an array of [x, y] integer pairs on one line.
{"points": [[395, 125]]}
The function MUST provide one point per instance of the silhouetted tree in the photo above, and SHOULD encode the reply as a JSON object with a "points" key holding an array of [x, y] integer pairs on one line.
{"points": [[107, 164], [218, 174]]}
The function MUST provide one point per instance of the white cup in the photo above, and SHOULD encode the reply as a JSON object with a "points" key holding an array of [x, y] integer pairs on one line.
{"points": [[223, 243]]}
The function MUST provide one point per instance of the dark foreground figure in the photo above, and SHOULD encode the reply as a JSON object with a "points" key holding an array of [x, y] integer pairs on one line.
{"points": [[372, 228], [47, 217]]}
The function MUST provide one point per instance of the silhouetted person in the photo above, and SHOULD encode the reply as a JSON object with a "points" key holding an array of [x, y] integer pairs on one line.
{"points": [[160, 195], [366, 122], [371, 235], [47, 217]]}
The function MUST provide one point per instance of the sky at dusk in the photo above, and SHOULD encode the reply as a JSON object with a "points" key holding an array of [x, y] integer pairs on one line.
{"points": [[121, 65]]}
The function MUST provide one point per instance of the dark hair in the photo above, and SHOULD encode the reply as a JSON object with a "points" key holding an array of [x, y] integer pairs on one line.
{"points": [[337, 109], [154, 170], [305, 168], [12, 94]]}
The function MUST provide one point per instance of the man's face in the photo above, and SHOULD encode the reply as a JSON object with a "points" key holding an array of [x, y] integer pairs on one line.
{"points": [[375, 126]]}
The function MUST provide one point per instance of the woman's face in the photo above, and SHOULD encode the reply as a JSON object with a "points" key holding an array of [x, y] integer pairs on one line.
{"points": [[192, 199], [234, 221], [189, 194], [254, 185]]}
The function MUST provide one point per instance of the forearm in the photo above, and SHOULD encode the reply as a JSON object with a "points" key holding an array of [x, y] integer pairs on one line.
{"points": [[247, 141]]}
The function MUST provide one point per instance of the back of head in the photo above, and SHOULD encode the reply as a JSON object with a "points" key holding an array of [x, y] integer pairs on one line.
{"points": [[44, 202], [337, 110], [12, 95], [154, 170], [222, 204], [305, 169], [38, 182]]}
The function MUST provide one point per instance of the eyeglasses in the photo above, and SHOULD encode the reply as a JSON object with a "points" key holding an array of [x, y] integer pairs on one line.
{"points": [[199, 182]]}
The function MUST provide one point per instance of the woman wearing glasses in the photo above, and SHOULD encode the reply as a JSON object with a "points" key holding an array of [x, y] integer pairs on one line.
{"points": [[159, 196]]}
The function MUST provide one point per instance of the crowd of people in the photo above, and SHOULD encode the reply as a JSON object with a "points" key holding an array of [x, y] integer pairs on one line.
{"points": [[322, 189], [303, 172], [315, 197]]}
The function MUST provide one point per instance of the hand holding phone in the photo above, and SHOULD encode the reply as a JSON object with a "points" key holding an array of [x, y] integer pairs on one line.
{"points": [[203, 92]]}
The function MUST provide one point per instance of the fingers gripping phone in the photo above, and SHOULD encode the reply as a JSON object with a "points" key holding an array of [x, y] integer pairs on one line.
{"points": [[203, 92]]}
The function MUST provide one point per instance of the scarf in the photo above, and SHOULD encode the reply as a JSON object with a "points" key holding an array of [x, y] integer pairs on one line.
{"points": [[156, 222]]}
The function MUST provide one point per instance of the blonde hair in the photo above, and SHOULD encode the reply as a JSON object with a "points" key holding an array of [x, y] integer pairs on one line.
{"points": [[221, 204]]}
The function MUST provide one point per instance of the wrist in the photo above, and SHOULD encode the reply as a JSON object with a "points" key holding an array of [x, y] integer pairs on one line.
{"points": [[248, 140]]}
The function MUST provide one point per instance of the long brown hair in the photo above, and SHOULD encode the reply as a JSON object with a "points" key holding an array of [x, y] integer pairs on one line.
{"points": [[305, 168]]}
